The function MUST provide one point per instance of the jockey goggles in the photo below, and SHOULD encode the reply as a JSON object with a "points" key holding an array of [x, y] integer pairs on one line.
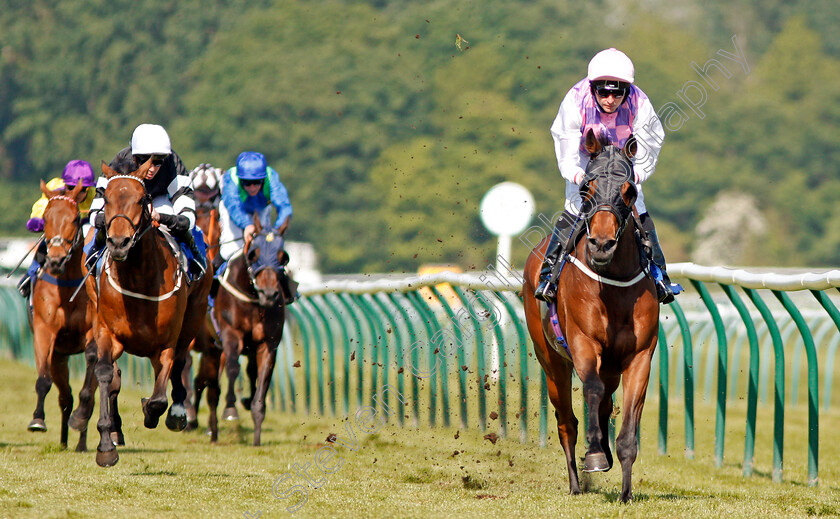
{"points": [[248, 182], [606, 88], [157, 160]]}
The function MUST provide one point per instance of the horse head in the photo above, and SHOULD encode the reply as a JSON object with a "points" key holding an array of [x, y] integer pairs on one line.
{"points": [[62, 225], [265, 259], [126, 208], [608, 194]]}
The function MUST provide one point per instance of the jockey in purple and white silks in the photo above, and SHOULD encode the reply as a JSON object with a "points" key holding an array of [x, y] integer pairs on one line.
{"points": [[607, 102]]}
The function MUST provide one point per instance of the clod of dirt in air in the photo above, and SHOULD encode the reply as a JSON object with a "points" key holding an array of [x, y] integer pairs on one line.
{"points": [[457, 434], [455, 453], [331, 437], [416, 36], [494, 415], [353, 356], [400, 370], [296, 364], [459, 41], [487, 386], [492, 437], [338, 92], [499, 453], [464, 368], [510, 462]]}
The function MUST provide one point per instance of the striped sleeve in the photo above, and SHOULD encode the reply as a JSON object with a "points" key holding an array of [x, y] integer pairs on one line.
{"points": [[181, 194]]}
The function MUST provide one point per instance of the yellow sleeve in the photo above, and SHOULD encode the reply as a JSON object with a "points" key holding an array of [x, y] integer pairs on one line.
{"points": [[84, 207], [41, 204]]}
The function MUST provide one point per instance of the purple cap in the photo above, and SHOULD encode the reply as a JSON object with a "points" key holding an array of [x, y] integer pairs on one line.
{"points": [[78, 171]]}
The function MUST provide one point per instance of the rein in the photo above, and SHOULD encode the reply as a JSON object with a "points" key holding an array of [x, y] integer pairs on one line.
{"points": [[235, 292]]}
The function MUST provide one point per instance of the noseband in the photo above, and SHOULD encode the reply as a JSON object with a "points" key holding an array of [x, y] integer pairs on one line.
{"points": [[60, 241], [261, 263], [145, 216]]}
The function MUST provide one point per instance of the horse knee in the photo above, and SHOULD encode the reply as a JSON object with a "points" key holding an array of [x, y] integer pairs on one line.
{"points": [[626, 449], [43, 384], [104, 372]]}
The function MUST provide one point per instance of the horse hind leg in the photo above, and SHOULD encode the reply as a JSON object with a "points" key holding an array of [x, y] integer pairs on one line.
{"points": [[114, 392], [186, 381], [231, 350], [155, 406], [61, 378], [208, 377], [251, 371]]}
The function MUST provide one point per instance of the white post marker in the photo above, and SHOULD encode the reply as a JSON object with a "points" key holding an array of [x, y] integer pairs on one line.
{"points": [[506, 210]]}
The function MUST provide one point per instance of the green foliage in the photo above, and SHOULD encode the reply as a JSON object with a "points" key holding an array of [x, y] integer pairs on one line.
{"points": [[387, 134]]}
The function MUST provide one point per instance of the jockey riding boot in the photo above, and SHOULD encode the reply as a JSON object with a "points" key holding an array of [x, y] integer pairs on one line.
{"points": [[25, 284], [663, 283], [98, 242], [547, 289], [214, 287], [197, 264]]}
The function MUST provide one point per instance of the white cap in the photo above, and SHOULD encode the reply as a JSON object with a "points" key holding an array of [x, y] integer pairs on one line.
{"points": [[150, 139], [611, 64]]}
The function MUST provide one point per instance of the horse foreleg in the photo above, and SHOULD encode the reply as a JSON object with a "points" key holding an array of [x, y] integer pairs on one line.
{"points": [[635, 386], [264, 359], [106, 453], [155, 406], [176, 419], [44, 342], [61, 378], [560, 393], [593, 393], [232, 345], [81, 416]]}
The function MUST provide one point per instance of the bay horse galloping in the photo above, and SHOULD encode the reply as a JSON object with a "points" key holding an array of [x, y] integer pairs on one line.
{"points": [[250, 312], [144, 304], [608, 316], [61, 327], [207, 376]]}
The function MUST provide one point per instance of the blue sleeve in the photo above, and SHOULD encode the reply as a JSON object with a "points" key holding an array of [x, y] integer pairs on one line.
{"points": [[230, 197], [279, 198]]}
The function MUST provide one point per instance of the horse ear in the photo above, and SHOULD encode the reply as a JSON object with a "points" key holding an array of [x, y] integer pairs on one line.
{"points": [[630, 147], [257, 224], [47, 192], [629, 194], [78, 193], [141, 171], [592, 144], [253, 254], [107, 171]]}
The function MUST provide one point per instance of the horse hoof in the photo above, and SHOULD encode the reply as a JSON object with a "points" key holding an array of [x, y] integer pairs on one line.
{"points": [[191, 425], [596, 462], [37, 425], [176, 422], [76, 423], [152, 409], [230, 414], [107, 458], [246, 403]]}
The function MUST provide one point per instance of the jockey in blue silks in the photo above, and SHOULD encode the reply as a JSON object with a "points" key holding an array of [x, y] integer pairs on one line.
{"points": [[250, 188], [608, 103]]}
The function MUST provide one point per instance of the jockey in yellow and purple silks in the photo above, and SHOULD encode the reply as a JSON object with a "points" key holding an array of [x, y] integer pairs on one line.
{"points": [[607, 102], [75, 172]]}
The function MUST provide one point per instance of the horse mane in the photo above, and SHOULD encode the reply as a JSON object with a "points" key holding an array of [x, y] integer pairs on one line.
{"points": [[124, 165]]}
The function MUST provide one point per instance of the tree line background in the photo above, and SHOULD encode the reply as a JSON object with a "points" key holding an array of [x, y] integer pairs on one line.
{"points": [[387, 134]]}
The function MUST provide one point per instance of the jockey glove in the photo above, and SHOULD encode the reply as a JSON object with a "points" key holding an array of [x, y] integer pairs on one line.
{"points": [[175, 222], [35, 224], [99, 220]]}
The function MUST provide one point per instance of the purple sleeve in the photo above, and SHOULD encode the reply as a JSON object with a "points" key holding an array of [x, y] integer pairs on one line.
{"points": [[35, 224]]}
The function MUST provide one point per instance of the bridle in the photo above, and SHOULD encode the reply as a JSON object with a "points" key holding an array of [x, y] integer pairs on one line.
{"points": [[599, 172], [145, 216], [59, 240], [255, 267]]}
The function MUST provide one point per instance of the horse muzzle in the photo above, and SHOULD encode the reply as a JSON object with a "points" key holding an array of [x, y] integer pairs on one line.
{"points": [[118, 247], [601, 250], [55, 265]]}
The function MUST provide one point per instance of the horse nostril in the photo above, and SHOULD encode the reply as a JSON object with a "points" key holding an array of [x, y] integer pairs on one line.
{"points": [[610, 244]]}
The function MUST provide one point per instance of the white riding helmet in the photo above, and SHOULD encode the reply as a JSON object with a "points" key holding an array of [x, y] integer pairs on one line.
{"points": [[611, 64], [150, 139]]}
